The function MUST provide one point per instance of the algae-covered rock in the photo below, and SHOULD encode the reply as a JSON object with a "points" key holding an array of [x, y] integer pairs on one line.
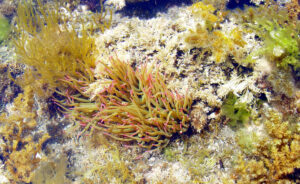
{"points": [[4, 28]]}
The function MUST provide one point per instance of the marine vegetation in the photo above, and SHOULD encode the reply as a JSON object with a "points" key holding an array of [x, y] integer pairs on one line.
{"points": [[206, 11], [20, 151], [134, 105], [237, 112], [52, 170], [211, 39], [278, 30], [282, 45], [4, 28], [52, 46], [111, 167], [282, 83], [48, 49], [279, 44], [277, 156]]}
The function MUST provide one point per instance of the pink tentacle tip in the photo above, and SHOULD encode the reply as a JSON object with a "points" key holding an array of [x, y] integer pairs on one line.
{"points": [[123, 92], [150, 78], [105, 133], [127, 146], [102, 106], [149, 93], [101, 122], [131, 92], [83, 124], [123, 86], [77, 137], [172, 95], [178, 95]]}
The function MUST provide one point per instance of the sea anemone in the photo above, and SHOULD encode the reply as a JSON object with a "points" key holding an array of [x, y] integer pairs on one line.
{"points": [[135, 105]]}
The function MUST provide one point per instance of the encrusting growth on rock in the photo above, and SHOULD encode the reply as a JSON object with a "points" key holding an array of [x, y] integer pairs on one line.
{"points": [[276, 157], [20, 151]]}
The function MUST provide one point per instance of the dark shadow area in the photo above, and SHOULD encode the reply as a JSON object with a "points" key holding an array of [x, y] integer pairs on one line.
{"points": [[53, 108], [93, 5], [233, 4], [149, 9], [9, 90], [295, 176]]}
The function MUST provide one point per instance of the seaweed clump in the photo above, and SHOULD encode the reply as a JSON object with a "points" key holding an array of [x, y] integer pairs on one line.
{"points": [[208, 37], [276, 157], [280, 44], [52, 45], [111, 167], [237, 112], [20, 151], [48, 46], [278, 30], [4, 28], [131, 106]]}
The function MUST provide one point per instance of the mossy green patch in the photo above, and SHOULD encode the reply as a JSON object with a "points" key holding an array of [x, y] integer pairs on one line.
{"points": [[236, 111], [4, 28]]}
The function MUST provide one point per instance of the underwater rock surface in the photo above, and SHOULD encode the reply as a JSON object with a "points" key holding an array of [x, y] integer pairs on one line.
{"points": [[150, 91]]}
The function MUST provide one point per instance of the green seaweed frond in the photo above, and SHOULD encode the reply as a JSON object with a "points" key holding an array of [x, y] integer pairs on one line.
{"points": [[280, 44], [278, 33], [4, 28], [237, 112]]}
